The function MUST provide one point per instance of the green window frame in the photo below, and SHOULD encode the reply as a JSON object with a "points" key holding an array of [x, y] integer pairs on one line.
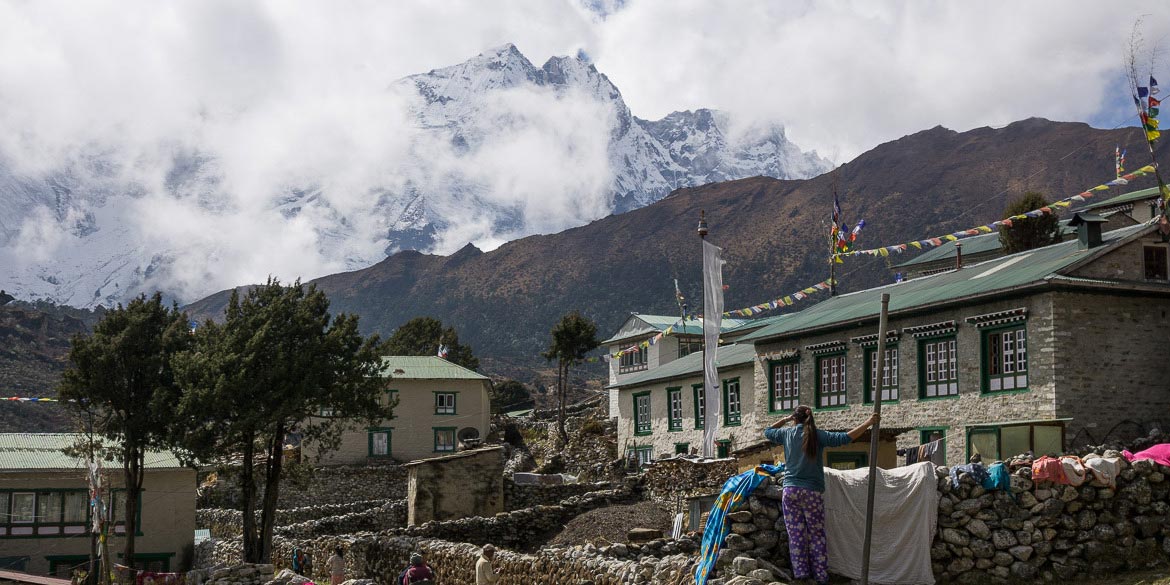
{"points": [[119, 497], [938, 367], [783, 385], [889, 374], [847, 460], [46, 512], [1005, 359], [723, 449], [682, 448], [924, 434], [373, 443], [445, 403], [643, 424], [643, 453], [445, 440], [991, 442], [674, 408], [154, 562], [700, 405], [732, 402], [831, 381], [689, 344]]}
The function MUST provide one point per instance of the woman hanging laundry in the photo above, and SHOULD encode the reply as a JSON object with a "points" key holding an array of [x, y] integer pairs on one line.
{"points": [[804, 486]]}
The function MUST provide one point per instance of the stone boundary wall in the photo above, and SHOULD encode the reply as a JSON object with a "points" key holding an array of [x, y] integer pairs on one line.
{"points": [[329, 519], [332, 485], [519, 496], [385, 517], [670, 482]]}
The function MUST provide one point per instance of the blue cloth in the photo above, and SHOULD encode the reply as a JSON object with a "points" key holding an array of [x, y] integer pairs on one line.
{"points": [[733, 496], [998, 478], [977, 471], [803, 472]]}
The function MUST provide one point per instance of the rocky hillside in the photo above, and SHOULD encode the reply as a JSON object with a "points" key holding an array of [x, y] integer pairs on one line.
{"points": [[936, 181]]}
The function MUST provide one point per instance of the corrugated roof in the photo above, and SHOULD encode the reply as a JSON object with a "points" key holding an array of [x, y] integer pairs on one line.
{"points": [[973, 245], [1124, 198], [1025, 268], [23, 451], [657, 323], [728, 355], [415, 367]]}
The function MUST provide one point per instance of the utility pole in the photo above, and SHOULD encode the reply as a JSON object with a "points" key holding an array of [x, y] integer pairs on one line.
{"points": [[874, 431]]}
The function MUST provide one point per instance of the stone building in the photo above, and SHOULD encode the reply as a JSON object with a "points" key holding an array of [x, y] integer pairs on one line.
{"points": [[440, 407], [449, 487], [45, 518], [1036, 351]]}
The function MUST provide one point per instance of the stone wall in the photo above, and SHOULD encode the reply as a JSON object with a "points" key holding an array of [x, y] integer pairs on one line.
{"points": [[671, 482], [518, 496], [592, 449], [311, 520], [469, 483], [336, 485]]}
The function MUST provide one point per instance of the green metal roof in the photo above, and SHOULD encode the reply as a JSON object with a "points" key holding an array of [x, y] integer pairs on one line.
{"points": [[728, 355], [658, 323], [1124, 198], [44, 451], [414, 367], [971, 246], [997, 275]]}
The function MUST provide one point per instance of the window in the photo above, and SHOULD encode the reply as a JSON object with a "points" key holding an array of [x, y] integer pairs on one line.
{"points": [[700, 405], [889, 377], [119, 511], [445, 402], [633, 360], [674, 400], [152, 562], [689, 345], [16, 563], [930, 434], [1155, 263], [325, 412], [848, 460], [379, 442], [938, 368], [644, 454], [62, 566], [682, 448], [1003, 441], [1005, 359], [722, 449], [444, 439], [45, 512], [831, 381], [642, 413], [785, 386], [731, 402]]}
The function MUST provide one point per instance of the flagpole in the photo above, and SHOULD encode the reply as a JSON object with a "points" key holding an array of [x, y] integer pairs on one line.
{"points": [[874, 432], [1144, 118]]}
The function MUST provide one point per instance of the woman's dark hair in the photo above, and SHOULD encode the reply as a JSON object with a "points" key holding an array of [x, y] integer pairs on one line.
{"points": [[339, 551], [803, 415]]}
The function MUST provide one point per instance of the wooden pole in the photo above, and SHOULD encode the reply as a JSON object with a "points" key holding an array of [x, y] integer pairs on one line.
{"points": [[874, 432]]}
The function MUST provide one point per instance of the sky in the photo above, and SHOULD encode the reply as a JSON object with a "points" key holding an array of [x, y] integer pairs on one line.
{"points": [[281, 93]]}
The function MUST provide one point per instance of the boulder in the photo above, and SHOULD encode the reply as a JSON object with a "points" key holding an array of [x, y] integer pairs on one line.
{"points": [[738, 542], [743, 527], [643, 534], [741, 516], [1003, 539], [1021, 552], [955, 537], [978, 529], [743, 565]]}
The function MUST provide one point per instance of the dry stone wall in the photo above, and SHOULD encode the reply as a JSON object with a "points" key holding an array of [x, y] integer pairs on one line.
{"points": [[519, 496], [311, 521], [333, 485], [671, 482]]}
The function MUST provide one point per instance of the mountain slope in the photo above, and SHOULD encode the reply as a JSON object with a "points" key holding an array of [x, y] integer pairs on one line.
{"points": [[491, 149], [505, 301]]}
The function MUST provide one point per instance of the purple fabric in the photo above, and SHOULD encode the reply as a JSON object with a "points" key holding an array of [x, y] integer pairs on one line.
{"points": [[804, 518]]}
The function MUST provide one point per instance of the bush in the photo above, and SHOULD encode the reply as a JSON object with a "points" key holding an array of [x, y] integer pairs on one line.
{"points": [[592, 427]]}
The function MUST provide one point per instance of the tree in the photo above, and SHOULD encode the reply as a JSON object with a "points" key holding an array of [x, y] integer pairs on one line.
{"points": [[277, 361], [572, 337], [123, 376], [424, 335], [510, 395], [1026, 234]]}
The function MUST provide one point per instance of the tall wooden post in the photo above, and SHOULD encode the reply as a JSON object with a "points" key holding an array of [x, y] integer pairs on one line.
{"points": [[874, 432]]}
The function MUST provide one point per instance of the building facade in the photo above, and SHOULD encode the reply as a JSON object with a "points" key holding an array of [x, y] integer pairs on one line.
{"points": [[46, 520], [439, 407]]}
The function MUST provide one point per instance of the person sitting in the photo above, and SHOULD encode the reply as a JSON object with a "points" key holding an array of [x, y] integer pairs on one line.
{"points": [[418, 571]]}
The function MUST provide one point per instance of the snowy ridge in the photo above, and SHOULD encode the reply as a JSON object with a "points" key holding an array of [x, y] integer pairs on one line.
{"points": [[77, 236]]}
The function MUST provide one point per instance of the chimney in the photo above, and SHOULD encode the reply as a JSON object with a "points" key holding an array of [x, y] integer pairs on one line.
{"points": [[958, 255], [1088, 229]]}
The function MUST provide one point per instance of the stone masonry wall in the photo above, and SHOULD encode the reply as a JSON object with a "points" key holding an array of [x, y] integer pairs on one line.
{"points": [[1112, 351], [671, 482], [460, 485], [517, 496], [312, 520], [341, 484]]}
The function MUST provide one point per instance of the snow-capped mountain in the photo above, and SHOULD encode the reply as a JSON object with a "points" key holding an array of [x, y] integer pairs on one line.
{"points": [[497, 149]]}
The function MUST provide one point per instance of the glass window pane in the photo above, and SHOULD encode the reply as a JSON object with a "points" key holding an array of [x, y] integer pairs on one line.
{"points": [[986, 444], [4, 498], [49, 508], [1016, 440], [1047, 440], [23, 508], [75, 503]]}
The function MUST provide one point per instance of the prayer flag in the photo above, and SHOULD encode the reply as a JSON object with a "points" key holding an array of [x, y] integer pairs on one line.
{"points": [[713, 307], [1143, 91], [1153, 86]]}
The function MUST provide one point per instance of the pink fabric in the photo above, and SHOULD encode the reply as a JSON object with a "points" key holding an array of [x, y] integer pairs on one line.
{"points": [[1049, 469], [1159, 454]]}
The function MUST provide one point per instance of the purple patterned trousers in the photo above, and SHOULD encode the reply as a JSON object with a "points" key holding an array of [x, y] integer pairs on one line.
{"points": [[804, 518]]}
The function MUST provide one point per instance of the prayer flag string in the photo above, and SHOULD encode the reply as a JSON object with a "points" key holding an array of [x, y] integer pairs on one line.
{"points": [[986, 229]]}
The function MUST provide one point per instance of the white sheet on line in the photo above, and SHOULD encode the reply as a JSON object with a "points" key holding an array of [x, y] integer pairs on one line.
{"points": [[905, 516]]}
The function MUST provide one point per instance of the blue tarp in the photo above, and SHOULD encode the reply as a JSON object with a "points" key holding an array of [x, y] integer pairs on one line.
{"points": [[732, 497]]}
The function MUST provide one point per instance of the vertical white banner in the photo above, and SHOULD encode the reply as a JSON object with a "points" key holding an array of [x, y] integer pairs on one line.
{"points": [[712, 321]]}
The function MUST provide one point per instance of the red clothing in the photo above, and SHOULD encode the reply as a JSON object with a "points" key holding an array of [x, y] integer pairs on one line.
{"points": [[1050, 469], [419, 573]]}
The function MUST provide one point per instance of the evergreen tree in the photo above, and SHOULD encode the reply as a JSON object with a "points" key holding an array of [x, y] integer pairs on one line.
{"points": [[1027, 234], [122, 377], [277, 361], [424, 336], [572, 337], [510, 395]]}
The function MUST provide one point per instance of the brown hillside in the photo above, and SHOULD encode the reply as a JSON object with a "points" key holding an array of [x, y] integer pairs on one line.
{"points": [[936, 181]]}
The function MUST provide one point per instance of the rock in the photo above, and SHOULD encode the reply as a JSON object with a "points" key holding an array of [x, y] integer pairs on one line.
{"points": [[743, 580], [743, 527], [1086, 519], [978, 529], [743, 565], [961, 565], [738, 542], [764, 575], [741, 516], [643, 534], [1028, 500], [1023, 571], [1003, 559], [982, 549], [1021, 552], [1042, 494], [1052, 507], [955, 537], [772, 492], [619, 549], [1003, 539], [1156, 477], [1069, 494], [782, 574], [766, 538]]}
